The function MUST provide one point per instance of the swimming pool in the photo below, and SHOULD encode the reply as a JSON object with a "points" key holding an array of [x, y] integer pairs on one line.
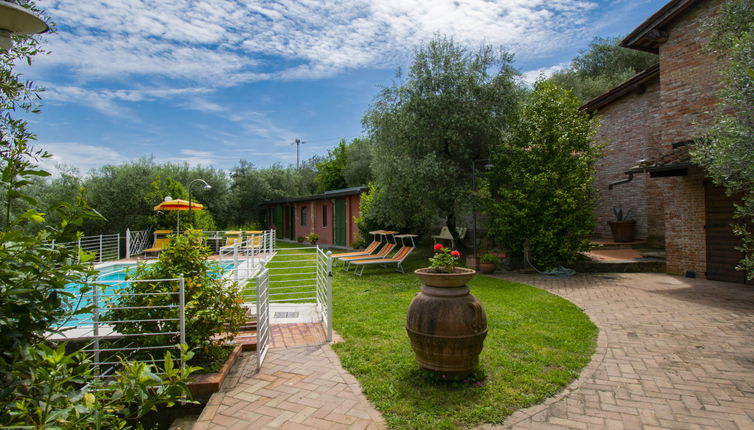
{"points": [[107, 280]]}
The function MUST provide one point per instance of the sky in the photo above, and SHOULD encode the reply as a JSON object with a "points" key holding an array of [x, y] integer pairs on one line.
{"points": [[212, 82]]}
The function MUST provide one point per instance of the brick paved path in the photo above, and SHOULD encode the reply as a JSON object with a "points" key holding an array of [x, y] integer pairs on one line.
{"points": [[300, 386], [672, 353]]}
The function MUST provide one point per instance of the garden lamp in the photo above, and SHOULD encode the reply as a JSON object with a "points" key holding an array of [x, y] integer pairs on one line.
{"points": [[206, 187], [19, 20]]}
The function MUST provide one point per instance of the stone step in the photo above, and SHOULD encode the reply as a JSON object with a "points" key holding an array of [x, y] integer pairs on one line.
{"points": [[644, 265], [609, 244]]}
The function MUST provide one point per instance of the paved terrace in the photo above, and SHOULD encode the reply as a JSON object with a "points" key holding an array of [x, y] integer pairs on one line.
{"points": [[672, 353]]}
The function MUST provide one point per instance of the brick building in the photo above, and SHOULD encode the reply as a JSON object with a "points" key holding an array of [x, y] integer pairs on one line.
{"points": [[330, 215], [647, 124]]}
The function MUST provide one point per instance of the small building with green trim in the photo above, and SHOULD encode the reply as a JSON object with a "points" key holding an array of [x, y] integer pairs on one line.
{"points": [[331, 215]]}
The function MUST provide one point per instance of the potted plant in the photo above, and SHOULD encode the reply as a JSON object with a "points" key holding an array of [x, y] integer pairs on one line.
{"points": [[300, 239], [623, 228], [445, 323], [312, 238], [488, 263]]}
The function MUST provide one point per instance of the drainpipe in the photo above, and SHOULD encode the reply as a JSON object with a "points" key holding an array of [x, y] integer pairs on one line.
{"points": [[622, 181]]}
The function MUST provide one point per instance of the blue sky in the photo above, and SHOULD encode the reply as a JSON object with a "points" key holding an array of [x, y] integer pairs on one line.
{"points": [[214, 81]]}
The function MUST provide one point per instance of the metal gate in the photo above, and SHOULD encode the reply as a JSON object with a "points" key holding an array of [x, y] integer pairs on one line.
{"points": [[324, 290], [263, 315]]}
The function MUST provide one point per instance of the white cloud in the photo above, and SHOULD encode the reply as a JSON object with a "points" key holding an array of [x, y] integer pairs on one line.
{"points": [[80, 156], [532, 76], [104, 100], [225, 42]]}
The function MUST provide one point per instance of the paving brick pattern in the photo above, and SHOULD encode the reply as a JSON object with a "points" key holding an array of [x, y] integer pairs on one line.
{"points": [[300, 386], [672, 353]]}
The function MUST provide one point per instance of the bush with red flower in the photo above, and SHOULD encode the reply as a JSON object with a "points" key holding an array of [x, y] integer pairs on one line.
{"points": [[444, 260]]}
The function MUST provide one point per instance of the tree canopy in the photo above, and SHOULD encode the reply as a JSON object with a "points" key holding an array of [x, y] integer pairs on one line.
{"points": [[428, 130], [602, 66]]}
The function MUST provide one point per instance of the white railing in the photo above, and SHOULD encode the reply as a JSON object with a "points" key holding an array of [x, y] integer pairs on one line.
{"points": [[324, 290], [106, 247], [263, 315], [136, 242], [109, 335]]}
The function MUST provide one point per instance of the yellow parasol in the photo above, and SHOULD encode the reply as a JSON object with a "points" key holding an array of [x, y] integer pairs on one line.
{"points": [[178, 205]]}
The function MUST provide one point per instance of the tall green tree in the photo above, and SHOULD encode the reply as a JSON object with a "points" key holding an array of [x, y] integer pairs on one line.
{"points": [[358, 170], [602, 66], [429, 129], [727, 153], [330, 170], [539, 193]]}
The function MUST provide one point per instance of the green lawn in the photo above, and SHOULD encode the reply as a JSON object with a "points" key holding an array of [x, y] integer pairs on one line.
{"points": [[537, 343]]}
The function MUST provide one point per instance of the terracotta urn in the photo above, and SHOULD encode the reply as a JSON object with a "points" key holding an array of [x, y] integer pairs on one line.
{"points": [[487, 268], [446, 324], [623, 231]]}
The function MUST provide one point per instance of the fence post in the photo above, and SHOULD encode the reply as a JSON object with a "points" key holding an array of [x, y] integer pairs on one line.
{"points": [[329, 296], [78, 255], [128, 243], [53, 243], [117, 256], [100, 248], [182, 314], [95, 326], [235, 261]]}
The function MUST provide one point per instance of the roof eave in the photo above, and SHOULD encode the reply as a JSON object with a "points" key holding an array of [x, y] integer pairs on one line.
{"points": [[633, 84], [649, 34]]}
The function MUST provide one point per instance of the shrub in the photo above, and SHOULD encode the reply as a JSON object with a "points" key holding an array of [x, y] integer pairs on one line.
{"points": [[489, 258], [213, 305], [540, 190], [312, 237], [59, 390], [300, 239]]}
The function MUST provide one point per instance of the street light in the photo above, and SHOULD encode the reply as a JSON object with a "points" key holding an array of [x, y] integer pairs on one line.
{"points": [[19, 20], [206, 187], [473, 205]]}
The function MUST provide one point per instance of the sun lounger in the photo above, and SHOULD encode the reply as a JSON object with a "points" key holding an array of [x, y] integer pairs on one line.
{"points": [[368, 250], [231, 239], [253, 240], [383, 252], [396, 259], [160, 242]]}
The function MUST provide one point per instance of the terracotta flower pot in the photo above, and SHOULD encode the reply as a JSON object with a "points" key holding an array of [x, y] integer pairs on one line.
{"points": [[446, 324], [623, 231], [458, 278], [487, 268]]}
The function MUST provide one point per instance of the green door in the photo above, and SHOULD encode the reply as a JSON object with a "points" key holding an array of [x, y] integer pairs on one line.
{"points": [[340, 222], [292, 223], [279, 220]]}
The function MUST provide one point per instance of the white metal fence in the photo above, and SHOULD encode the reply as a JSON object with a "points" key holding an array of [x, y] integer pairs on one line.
{"points": [[106, 247], [115, 326], [136, 242], [324, 290], [263, 315]]}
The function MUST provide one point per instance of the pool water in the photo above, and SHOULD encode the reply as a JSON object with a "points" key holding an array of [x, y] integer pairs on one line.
{"points": [[109, 276]]}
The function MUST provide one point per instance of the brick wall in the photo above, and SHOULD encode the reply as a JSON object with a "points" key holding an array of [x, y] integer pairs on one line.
{"points": [[628, 129], [689, 77], [685, 243]]}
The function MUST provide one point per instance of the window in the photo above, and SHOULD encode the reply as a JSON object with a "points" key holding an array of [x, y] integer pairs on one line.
{"points": [[303, 215], [324, 215]]}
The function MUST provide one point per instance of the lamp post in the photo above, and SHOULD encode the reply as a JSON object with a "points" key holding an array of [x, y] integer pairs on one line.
{"points": [[473, 205], [206, 187], [19, 20]]}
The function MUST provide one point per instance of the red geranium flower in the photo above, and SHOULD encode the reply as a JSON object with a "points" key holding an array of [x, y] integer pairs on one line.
{"points": [[455, 253], [438, 246]]}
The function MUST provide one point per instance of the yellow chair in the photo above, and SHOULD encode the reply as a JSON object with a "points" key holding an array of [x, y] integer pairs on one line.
{"points": [[159, 242], [253, 240]]}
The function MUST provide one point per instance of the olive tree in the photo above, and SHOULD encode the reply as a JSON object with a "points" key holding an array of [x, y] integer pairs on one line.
{"points": [[428, 130]]}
